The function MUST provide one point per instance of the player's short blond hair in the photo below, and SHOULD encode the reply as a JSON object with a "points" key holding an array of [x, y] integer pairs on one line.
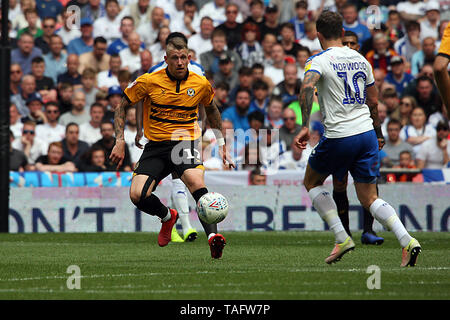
{"points": [[176, 44]]}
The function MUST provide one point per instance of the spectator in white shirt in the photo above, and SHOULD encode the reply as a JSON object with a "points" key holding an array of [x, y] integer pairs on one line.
{"points": [[146, 63], [14, 10], [429, 27], [149, 31], [189, 24], [78, 114], [158, 49], [310, 40], [270, 149], [276, 70], [109, 78], [434, 153], [109, 25], [302, 55], [139, 10], [201, 42], [410, 42], [174, 9], [131, 58], [51, 131], [296, 158], [126, 28], [216, 11], [412, 9], [419, 131], [32, 146], [14, 120], [67, 32], [20, 22], [88, 85], [90, 131]]}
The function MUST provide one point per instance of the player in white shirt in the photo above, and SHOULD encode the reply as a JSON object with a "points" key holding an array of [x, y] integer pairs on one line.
{"points": [[348, 101]]}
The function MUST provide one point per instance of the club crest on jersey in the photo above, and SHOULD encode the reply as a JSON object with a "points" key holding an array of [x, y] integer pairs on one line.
{"points": [[131, 84], [190, 92]]}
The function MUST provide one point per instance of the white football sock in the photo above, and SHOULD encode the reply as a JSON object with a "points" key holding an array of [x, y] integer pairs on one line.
{"points": [[386, 215], [211, 235], [326, 207], [180, 201]]}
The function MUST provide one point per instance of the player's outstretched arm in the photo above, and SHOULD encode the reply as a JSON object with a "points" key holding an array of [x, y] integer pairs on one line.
{"points": [[215, 122], [118, 152], [372, 103], [305, 100]]}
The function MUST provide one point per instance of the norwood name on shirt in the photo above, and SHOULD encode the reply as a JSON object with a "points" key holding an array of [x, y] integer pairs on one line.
{"points": [[347, 66]]}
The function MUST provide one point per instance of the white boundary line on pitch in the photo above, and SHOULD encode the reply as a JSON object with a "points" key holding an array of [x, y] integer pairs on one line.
{"points": [[236, 292], [212, 272]]}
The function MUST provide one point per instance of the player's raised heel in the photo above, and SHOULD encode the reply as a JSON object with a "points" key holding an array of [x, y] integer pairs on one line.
{"points": [[216, 244], [371, 238], [190, 235], [410, 253], [165, 234], [339, 250]]}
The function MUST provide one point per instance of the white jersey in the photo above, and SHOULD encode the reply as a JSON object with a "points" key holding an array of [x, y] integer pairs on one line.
{"points": [[344, 76]]}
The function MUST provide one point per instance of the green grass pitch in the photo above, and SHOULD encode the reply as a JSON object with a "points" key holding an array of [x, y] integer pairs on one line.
{"points": [[255, 266]]}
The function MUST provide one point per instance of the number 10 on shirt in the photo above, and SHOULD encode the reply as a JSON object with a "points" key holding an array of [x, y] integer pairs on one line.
{"points": [[348, 91]]}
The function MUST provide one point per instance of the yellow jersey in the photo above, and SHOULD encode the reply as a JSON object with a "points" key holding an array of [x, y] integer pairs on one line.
{"points": [[444, 48], [170, 106]]}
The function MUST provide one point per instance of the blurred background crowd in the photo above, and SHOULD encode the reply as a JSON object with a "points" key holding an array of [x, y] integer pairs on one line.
{"points": [[71, 61]]}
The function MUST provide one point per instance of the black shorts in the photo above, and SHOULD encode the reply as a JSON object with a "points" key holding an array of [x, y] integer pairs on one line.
{"points": [[160, 158]]}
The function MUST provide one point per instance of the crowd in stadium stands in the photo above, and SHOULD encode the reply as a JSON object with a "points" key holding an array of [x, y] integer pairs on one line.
{"points": [[66, 81]]}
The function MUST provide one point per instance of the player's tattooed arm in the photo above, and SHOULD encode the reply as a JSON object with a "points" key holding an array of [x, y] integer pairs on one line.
{"points": [[139, 124], [372, 103], [305, 100], [215, 122], [214, 119], [118, 152], [306, 96], [119, 118]]}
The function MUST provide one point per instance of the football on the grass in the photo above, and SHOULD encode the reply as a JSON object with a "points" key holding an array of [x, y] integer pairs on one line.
{"points": [[212, 208]]}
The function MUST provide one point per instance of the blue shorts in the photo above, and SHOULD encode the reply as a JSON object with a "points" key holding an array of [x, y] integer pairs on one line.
{"points": [[356, 154]]}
